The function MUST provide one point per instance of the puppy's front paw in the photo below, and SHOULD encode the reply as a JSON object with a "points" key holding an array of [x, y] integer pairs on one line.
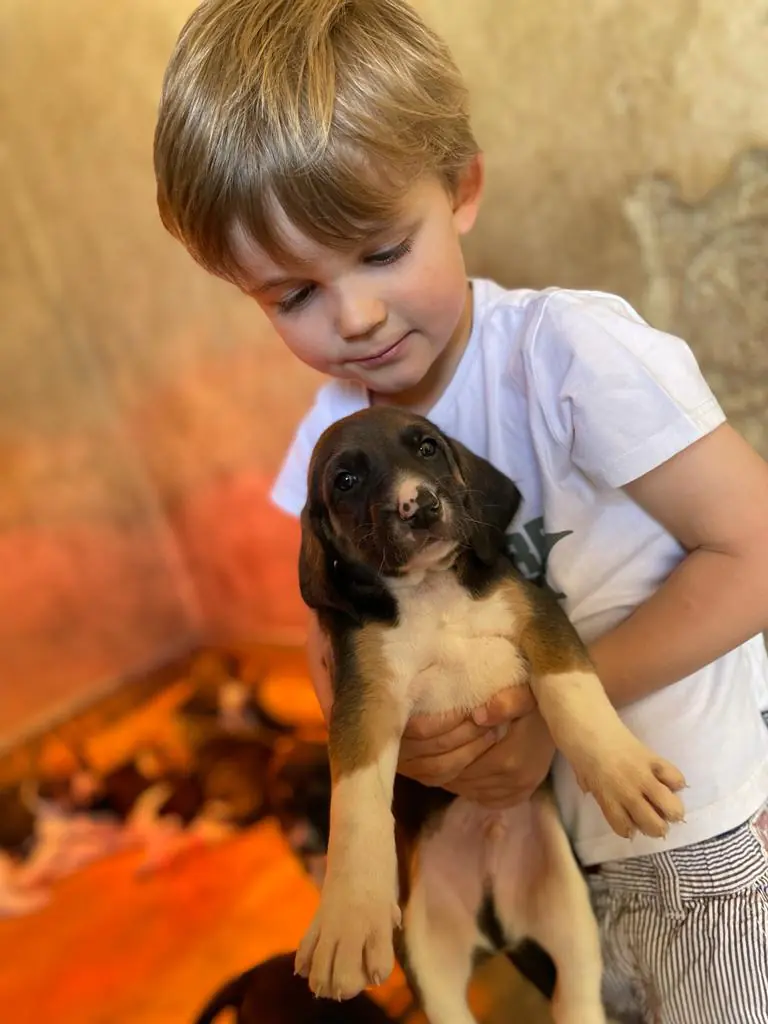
{"points": [[636, 790], [349, 945]]}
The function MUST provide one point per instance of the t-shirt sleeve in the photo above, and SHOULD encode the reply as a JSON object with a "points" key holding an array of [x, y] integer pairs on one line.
{"points": [[621, 395], [289, 490]]}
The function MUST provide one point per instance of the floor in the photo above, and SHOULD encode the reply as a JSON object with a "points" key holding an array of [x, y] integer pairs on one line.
{"points": [[114, 947]]}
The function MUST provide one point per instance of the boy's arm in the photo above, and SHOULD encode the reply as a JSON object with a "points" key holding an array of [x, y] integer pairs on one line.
{"points": [[713, 497], [318, 663]]}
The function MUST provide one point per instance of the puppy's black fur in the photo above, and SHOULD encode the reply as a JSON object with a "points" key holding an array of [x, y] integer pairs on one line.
{"points": [[299, 793], [17, 823], [271, 993]]}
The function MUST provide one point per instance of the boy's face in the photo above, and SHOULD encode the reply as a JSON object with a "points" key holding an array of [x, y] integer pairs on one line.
{"points": [[386, 314]]}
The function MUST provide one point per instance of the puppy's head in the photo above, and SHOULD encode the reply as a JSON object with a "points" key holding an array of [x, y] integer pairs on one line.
{"points": [[389, 494]]}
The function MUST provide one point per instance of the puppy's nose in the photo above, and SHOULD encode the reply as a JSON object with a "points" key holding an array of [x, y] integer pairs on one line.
{"points": [[420, 507]]}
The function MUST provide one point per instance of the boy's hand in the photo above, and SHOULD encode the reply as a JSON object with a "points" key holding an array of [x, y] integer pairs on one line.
{"points": [[435, 749], [496, 757], [318, 661], [512, 770]]}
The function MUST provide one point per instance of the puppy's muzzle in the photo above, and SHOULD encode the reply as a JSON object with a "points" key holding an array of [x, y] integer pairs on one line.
{"points": [[419, 506]]}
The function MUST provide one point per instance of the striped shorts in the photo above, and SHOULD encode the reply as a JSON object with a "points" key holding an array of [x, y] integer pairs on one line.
{"points": [[685, 933]]}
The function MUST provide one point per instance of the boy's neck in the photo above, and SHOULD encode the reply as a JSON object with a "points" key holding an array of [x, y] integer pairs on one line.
{"points": [[421, 398]]}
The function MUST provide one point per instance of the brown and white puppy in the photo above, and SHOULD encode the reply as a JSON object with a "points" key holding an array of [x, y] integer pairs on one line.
{"points": [[403, 558]]}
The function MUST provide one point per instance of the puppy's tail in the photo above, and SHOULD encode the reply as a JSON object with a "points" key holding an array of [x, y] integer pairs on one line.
{"points": [[230, 996]]}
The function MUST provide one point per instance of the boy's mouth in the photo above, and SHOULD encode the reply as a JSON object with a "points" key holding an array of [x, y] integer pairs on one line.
{"points": [[385, 355]]}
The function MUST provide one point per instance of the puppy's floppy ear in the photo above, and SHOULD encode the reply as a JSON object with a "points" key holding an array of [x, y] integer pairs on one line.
{"points": [[313, 561], [330, 582], [492, 501]]}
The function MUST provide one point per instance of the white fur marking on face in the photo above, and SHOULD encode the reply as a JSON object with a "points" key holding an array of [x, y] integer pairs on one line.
{"points": [[407, 495], [437, 555], [232, 696]]}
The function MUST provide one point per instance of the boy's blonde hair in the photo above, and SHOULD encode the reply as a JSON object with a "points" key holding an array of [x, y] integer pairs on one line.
{"points": [[324, 111]]}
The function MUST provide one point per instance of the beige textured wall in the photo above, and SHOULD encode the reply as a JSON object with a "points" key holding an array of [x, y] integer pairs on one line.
{"points": [[144, 407], [627, 149]]}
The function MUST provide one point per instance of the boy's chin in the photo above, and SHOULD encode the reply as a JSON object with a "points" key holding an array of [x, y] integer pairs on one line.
{"points": [[391, 381]]}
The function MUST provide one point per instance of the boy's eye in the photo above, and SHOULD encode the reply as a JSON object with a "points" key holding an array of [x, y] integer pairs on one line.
{"points": [[391, 255], [294, 300]]}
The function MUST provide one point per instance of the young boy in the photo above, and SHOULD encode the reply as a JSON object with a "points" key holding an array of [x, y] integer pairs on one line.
{"points": [[319, 155]]}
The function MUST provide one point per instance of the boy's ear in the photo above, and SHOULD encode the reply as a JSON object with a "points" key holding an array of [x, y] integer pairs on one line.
{"points": [[468, 194], [330, 582], [491, 503]]}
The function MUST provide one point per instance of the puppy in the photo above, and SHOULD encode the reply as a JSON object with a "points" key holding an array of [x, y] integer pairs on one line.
{"points": [[46, 833], [299, 793], [17, 841], [403, 559], [223, 703], [171, 812], [271, 993]]}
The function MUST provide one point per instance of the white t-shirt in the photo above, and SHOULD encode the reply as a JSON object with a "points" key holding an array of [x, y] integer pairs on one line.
{"points": [[573, 395]]}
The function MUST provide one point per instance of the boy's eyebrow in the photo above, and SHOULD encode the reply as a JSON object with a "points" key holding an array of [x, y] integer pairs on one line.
{"points": [[269, 284], [402, 230], [377, 239]]}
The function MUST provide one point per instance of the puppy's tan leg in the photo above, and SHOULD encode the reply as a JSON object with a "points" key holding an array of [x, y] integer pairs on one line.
{"points": [[440, 926], [349, 944], [635, 788], [549, 901], [440, 940]]}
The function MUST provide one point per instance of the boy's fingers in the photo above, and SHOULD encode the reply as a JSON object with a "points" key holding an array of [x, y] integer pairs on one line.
{"points": [[319, 658], [425, 727], [497, 761], [442, 743], [513, 702], [441, 769]]}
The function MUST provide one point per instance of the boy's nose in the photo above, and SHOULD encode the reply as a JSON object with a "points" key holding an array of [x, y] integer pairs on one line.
{"points": [[360, 315]]}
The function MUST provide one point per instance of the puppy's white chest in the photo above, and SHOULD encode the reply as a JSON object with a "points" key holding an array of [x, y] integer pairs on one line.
{"points": [[450, 650]]}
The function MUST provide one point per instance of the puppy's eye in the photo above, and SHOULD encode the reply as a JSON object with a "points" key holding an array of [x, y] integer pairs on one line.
{"points": [[344, 481], [427, 448]]}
